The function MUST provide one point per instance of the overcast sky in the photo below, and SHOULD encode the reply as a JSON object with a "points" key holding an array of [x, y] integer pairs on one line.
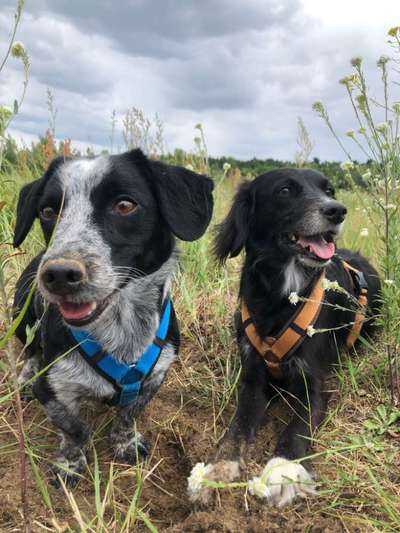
{"points": [[245, 69]]}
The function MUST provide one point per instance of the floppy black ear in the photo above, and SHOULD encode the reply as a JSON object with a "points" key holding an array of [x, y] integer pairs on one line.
{"points": [[28, 202], [26, 210], [233, 232], [185, 199]]}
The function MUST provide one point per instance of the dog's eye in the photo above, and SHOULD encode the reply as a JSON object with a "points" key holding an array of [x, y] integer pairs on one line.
{"points": [[330, 191], [124, 207], [48, 213], [285, 191]]}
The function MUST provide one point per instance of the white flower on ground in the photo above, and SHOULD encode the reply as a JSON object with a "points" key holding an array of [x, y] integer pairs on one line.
{"points": [[311, 331], [330, 285], [389, 281], [257, 487], [347, 165], [364, 232], [226, 167], [197, 476], [293, 298]]}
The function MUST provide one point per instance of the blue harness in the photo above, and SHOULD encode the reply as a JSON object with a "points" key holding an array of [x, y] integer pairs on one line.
{"points": [[127, 379]]}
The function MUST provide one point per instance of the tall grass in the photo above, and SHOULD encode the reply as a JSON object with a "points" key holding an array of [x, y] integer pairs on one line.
{"points": [[356, 454], [377, 136]]}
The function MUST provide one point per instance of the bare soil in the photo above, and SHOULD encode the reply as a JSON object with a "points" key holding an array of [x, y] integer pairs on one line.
{"points": [[179, 427]]}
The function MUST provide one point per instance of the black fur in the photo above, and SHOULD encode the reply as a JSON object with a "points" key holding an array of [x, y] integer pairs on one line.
{"points": [[264, 213]]}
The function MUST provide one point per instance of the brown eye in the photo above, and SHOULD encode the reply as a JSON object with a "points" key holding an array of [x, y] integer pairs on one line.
{"points": [[48, 213], [124, 207]]}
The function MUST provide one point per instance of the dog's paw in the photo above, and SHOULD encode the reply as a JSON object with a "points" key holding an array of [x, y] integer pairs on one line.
{"points": [[223, 471], [282, 482], [132, 451], [69, 471]]}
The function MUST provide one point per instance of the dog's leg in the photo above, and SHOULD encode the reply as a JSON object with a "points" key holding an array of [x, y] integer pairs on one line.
{"points": [[286, 478], [29, 369], [253, 396], [64, 415], [129, 445], [71, 460]]}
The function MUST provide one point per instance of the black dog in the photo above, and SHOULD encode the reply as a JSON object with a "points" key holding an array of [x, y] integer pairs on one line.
{"points": [[106, 323], [287, 221]]}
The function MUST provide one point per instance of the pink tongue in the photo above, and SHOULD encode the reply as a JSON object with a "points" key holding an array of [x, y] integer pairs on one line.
{"points": [[72, 311], [321, 248]]}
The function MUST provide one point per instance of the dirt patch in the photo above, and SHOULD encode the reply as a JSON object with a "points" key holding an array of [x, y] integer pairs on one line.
{"points": [[181, 429]]}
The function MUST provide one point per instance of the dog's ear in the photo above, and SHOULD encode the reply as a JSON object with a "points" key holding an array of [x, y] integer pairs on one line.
{"points": [[26, 210], [28, 202], [233, 232], [185, 199]]}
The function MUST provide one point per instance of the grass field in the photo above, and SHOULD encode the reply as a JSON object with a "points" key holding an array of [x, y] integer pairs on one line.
{"points": [[358, 467]]}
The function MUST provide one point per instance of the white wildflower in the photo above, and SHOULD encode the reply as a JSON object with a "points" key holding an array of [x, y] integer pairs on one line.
{"points": [[396, 108], [382, 127], [356, 61], [330, 285], [347, 165], [367, 175], [389, 281], [383, 60], [197, 476], [293, 298], [18, 49], [311, 331], [226, 167], [257, 487], [364, 232]]}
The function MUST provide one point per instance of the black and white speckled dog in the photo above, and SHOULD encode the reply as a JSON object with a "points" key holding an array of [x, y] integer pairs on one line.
{"points": [[109, 225], [287, 220]]}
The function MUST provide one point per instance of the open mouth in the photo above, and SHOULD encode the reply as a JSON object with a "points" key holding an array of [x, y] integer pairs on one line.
{"points": [[80, 314], [320, 247]]}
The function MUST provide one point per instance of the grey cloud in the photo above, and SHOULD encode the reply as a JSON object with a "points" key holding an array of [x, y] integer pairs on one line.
{"points": [[246, 69], [163, 28]]}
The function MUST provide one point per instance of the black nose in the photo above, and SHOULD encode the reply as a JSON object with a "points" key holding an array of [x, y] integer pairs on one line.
{"points": [[62, 276], [334, 211]]}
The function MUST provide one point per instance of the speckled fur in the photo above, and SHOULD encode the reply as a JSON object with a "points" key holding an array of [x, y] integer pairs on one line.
{"points": [[85, 232]]}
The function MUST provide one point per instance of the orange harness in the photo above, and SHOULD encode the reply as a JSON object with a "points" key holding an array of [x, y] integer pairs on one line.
{"points": [[275, 349]]}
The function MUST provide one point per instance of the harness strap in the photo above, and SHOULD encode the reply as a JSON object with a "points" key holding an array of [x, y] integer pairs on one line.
{"points": [[274, 349], [361, 286], [126, 379]]}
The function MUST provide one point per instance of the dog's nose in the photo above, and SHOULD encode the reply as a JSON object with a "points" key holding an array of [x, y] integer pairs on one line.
{"points": [[62, 276], [334, 211]]}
